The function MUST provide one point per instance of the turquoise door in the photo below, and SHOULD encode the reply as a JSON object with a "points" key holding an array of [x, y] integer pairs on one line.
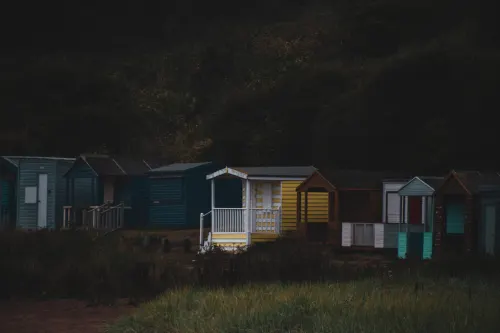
{"points": [[489, 230], [455, 218]]}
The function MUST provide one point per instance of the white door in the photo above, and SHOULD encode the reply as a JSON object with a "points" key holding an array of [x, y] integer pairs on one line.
{"points": [[264, 216], [489, 230], [42, 200], [393, 207]]}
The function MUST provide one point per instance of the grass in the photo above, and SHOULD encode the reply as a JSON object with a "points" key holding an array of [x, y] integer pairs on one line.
{"points": [[366, 306]]}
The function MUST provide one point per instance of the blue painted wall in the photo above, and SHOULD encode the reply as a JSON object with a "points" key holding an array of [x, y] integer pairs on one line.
{"points": [[177, 198], [8, 193], [167, 202], [489, 199], [134, 192], [29, 169], [84, 186]]}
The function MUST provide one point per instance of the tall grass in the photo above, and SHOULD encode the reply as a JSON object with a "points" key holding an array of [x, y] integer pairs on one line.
{"points": [[369, 306]]}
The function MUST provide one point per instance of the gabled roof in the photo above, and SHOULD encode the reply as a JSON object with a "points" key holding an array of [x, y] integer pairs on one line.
{"points": [[361, 179], [179, 167], [104, 165], [266, 171], [14, 160], [432, 183], [475, 181]]}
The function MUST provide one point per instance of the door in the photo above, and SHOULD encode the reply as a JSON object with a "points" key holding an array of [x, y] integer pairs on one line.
{"points": [[415, 210], [489, 230], [42, 200], [264, 217], [393, 207], [455, 219]]}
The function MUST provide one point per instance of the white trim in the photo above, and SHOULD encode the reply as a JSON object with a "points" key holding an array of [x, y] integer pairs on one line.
{"points": [[212, 193], [86, 162], [229, 240], [248, 227], [227, 171], [419, 179], [276, 178]]}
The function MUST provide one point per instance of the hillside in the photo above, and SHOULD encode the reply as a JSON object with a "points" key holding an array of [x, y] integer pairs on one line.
{"points": [[346, 83]]}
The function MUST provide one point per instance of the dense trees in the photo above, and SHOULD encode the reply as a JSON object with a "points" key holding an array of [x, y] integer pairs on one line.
{"points": [[346, 83]]}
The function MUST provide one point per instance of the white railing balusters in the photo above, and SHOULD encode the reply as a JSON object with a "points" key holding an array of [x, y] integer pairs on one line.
{"points": [[233, 220]]}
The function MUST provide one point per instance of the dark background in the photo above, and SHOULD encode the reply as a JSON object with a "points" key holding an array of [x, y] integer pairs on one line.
{"points": [[365, 84]]}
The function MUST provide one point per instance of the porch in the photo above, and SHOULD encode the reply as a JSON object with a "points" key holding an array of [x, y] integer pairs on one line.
{"points": [[104, 217], [259, 217], [105, 193]]}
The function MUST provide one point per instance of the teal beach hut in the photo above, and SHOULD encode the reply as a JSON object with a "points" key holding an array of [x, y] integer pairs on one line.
{"points": [[415, 234], [32, 191], [179, 192]]}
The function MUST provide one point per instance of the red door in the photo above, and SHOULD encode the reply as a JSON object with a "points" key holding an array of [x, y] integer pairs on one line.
{"points": [[415, 210]]}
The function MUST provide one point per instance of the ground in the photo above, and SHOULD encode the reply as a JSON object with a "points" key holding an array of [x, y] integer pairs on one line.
{"points": [[57, 316], [74, 316]]}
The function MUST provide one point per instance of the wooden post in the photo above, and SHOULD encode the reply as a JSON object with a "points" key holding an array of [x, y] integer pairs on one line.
{"points": [[336, 210], [248, 219], [468, 230], [305, 207], [298, 217], [438, 225]]}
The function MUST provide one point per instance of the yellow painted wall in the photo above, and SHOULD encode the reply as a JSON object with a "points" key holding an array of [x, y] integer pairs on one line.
{"points": [[263, 237], [229, 236], [317, 206]]}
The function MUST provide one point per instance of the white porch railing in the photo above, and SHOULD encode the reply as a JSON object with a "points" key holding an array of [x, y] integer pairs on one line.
{"points": [[234, 220], [104, 217], [229, 220]]}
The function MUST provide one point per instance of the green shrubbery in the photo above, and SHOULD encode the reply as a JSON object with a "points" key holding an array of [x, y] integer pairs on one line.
{"points": [[102, 269]]}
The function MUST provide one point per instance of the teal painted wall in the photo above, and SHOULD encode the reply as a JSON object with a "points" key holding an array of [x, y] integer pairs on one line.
{"points": [[29, 169], [167, 203], [134, 192], [416, 188], [427, 245], [455, 219], [489, 199], [178, 201], [402, 245], [61, 189], [8, 193], [85, 187]]}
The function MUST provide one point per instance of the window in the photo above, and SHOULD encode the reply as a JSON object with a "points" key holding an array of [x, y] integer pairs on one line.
{"points": [[30, 195]]}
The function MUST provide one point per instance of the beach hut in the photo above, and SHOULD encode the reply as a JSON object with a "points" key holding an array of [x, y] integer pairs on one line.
{"points": [[266, 208], [33, 191], [415, 230], [107, 192], [467, 214], [179, 192], [360, 206]]}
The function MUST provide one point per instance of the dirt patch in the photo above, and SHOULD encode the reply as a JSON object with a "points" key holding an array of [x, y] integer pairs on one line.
{"points": [[57, 316]]}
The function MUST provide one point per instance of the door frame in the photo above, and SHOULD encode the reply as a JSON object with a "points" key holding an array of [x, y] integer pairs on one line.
{"points": [[38, 201]]}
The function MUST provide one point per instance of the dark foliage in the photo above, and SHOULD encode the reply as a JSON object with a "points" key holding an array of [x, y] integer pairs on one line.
{"points": [[100, 270], [383, 84]]}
